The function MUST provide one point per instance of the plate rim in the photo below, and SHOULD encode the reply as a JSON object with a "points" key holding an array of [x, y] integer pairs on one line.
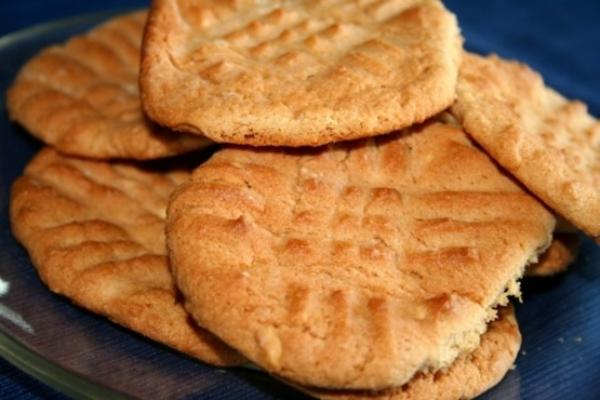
{"points": [[57, 377]]}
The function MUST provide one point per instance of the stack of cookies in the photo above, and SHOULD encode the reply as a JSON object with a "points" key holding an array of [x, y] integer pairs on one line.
{"points": [[374, 198]]}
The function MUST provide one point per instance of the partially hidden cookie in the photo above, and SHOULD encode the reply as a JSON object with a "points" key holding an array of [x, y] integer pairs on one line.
{"points": [[550, 144], [353, 266], [557, 258], [296, 72], [95, 233], [82, 97], [467, 377]]}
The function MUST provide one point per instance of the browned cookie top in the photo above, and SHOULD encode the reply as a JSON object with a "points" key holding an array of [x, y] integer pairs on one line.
{"points": [[95, 233], [469, 375], [550, 144], [355, 265], [82, 97], [301, 72]]}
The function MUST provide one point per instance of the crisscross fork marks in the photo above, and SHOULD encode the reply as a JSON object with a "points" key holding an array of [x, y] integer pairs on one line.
{"points": [[549, 143], [297, 73], [110, 194], [91, 239], [82, 97], [286, 35], [392, 253]]}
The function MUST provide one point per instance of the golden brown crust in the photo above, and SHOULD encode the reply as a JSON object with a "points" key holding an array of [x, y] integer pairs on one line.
{"points": [[556, 259], [95, 233], [297, 73], [356, 265], [82, 97], [550, 144], [469, 376]]}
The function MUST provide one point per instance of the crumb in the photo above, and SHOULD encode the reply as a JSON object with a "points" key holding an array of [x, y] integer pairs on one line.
{"points": [[578, 339], [523, 352], [514, 366], [4, 287], [561, 340]]}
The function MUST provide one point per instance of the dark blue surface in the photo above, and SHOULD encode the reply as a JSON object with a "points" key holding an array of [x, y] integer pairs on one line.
{"points": [[15, 384], [19, 14], [560, 318], [559, 38]]}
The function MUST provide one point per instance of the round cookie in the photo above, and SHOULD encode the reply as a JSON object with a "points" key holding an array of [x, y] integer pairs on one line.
{"points": [[95, 233], [82, 97], [469, 375], [550, 144], [353, 266], [295, 73]]}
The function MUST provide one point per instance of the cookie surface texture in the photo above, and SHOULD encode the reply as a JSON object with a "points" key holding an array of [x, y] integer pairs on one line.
{"points": [[469, 376], [355, 265], [298, 72], [95, 233], [550, 144], [82, 97]]}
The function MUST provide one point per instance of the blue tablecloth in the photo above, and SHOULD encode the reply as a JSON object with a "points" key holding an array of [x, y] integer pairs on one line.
{"points": [[559, 38], [15, 384]]}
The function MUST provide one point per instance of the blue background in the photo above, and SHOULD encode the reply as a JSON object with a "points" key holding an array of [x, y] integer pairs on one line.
{"points": [[560, 38]]}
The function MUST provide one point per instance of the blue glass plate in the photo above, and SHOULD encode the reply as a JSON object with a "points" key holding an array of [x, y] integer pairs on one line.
{"points": [[86, 356]]}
